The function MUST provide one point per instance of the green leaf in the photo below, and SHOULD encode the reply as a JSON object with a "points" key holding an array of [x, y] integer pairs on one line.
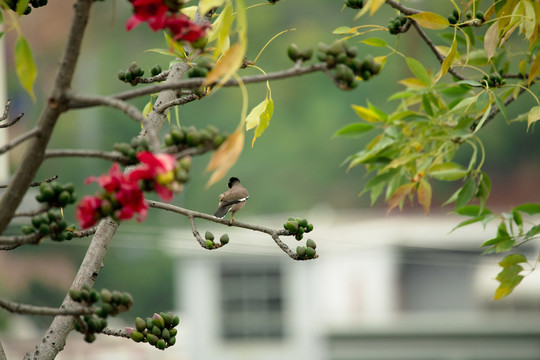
{"points": [[472, 83], [491, 39], [354, 130], [509, 278], [532, 231], [447, 171], [472, 210], [418, 70], [24, 66], [430, 20], [512, 259], [501, 106], [375, 42], [368, 114], [21, 6], [504, 245], [533, 116], [343, 30], [530, 208], [466, 193]]}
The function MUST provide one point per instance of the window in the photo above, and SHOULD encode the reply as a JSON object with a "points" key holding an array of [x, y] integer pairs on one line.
{"points": [[251, 301]]}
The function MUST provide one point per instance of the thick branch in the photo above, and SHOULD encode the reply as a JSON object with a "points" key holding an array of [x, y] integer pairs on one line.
{"points": [[14, 307], [403, 9], [55, 339], [56, 105]]}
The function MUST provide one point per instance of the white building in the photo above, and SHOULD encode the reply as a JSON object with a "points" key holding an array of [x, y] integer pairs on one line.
{"points": [[384, 287]]}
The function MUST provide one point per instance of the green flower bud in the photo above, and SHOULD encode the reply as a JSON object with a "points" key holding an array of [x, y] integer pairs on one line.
{"points": [[310, 243], [75, 295], [173, 332], [161, 344], [165, 334], [122, 75], [309, 228], [224, 239], [156, 331], [152, 339], [116, 297], [303, 223], [300, 252], [140, 324], [209, 236], [158, 321], [310, 253], [126, 299], [293, 52], [149, 323], [90, 338], [172, 341], [94, 296], [209, 244], [106, 295], [136, 336], [292, 226], [176, 321], [168, 318]]}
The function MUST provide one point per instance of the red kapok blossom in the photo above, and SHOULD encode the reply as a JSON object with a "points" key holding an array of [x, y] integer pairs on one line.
{"points": [[111, 181], [183, 28], [152, 11], [157, 168], [132, 200], [88, 211]]}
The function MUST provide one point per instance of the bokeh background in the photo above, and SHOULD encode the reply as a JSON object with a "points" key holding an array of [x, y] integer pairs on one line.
{"points": [[293, 169]]}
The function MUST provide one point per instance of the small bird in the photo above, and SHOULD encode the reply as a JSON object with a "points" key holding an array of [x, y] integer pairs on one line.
{"points": [[232, 200]]}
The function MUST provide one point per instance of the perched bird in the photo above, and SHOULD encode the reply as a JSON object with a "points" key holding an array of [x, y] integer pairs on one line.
{"points": [[232, 200]]}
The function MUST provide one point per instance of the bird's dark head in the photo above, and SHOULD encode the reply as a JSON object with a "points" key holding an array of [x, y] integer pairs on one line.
{"points": [[232, 181]]}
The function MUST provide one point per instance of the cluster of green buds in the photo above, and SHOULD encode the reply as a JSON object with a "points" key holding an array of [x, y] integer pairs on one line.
{"points": [[112, 303], [131, 150], [156, 70], [395, 24], [201, 68], [210, 244], [51, 224], [132, 73], [55, 194], [158, 331], [354, 4], [308, 251], [12, 4], [346, 63], [493, 80], [295, 54], [190, 136], [455, 16], [297, 227]]}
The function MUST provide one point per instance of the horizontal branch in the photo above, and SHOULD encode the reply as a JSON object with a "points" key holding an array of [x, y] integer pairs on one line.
{"points": [[403, 9], [194, 83], [19, 308], [180, 101], [194, 214], [36, 183], [106, 155], [21, 138], [115, 332]]}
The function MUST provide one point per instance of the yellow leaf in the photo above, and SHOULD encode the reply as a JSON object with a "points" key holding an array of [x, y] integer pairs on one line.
{"points": [[189, 11], [367, 114], [375, 5], [448, 61], [412, 83], [225, 156], [227, 65], [431, 20], [424, 195], [491, 39], [533, 116], [399, 195], [206, 5], [260, 117], [24, 66], [221, 29], [535, 69]]}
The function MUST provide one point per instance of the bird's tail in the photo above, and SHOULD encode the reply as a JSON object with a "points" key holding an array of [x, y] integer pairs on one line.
{"points": [[221, 211]]}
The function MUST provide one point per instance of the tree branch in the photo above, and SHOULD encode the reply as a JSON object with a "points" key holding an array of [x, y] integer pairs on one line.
{"points": [[27, 135], [115, 332], [56, 105], [194, 214], [14, 307], [403, 9], [194, 83], [180, 101], [107, 155], [12, 122], [36, 183]]}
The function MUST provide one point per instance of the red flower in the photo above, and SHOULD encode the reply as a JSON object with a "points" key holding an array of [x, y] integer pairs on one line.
{"points": [[158, 169], [152, 11], [88, 211], [111, 181], [132, 202], [184, 29]]}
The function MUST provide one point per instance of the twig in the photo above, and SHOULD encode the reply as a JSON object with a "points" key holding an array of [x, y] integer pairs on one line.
{"points": [[107, 155], [6, 110], [196, 233], [115, 332], [438, 55], [19, 308], [12, 122], [194, 83], [23, 137], [36, 183], [162, 76], [18, 240], [403, 9], [180, 101]]}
